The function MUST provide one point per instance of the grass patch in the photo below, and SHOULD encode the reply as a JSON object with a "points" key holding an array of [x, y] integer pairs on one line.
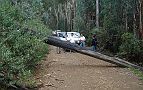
{"points": [[137, 72]]}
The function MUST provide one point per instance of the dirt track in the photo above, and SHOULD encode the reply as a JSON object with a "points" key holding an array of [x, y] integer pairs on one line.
{"points": [[73, 71]]}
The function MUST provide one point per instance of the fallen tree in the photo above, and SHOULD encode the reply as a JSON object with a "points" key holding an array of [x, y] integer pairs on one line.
{"points": [[67, 45]]}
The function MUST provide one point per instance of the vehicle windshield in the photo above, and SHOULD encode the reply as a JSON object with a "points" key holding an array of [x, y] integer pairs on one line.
{"points": [[75, 35], [61, 34]]}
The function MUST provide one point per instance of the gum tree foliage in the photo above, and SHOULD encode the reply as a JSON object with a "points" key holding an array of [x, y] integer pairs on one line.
{"points": [[55, 14], [21, 29], [79, 20]]}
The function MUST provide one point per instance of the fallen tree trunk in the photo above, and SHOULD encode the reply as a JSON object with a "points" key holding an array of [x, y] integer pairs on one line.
{"points": [[67, 45]]}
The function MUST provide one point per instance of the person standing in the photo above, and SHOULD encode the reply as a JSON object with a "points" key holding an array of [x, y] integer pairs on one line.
{"points": [[94, 43], [72, 38], [58, 49], [82, 41]]}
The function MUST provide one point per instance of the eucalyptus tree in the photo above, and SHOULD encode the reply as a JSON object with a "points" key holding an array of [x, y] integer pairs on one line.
{"points": [[97, 13], [140, 17], [54, 10]]}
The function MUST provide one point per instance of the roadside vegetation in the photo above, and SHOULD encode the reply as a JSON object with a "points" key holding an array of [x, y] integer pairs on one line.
{"points": [[137, 73], [21, 48]]}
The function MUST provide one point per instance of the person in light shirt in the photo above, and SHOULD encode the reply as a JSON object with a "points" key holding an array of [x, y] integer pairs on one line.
{"points": [[71, 38], [82, 41]]}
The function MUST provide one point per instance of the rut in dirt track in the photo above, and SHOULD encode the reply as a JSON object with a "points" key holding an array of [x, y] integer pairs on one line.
{"points": [[73, 71]]}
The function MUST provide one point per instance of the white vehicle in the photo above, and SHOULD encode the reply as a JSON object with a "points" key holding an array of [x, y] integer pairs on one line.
{"points": [[62, 36], [55, 32], [73, 37]]}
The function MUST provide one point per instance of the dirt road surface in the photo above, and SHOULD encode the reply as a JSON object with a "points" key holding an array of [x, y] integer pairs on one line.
{"points": [[74, 71]]}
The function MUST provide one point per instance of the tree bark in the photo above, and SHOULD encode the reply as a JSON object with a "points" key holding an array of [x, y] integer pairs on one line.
{"points": [[97, 13], [126, 22], [74, 13], [140, 16], [134, 26], [59, 43]]}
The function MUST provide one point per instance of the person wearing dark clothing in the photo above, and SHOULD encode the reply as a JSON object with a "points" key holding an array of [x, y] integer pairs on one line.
{"points": [[94, 43]]}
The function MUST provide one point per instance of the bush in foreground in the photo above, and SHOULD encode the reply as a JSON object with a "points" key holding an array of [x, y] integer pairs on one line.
{"points": [[20, 49]]}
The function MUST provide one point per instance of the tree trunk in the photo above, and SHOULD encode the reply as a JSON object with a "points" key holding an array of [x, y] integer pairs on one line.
{"points": [[126, 19], [74, 13], [126, 22], [97, 13], [59, 43], [140, 17], [134, 26], [56, 11], [66, 16]]}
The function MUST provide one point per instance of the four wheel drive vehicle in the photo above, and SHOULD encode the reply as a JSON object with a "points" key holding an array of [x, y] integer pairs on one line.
{"points": [[62, 36], [54, 33], [73, 37]]}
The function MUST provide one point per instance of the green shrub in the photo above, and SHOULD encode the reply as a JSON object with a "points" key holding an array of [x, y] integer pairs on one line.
{"points": [[106, 41], [20, 54], [102, 37], [131, 48], [38, 27], [20, 50]]}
